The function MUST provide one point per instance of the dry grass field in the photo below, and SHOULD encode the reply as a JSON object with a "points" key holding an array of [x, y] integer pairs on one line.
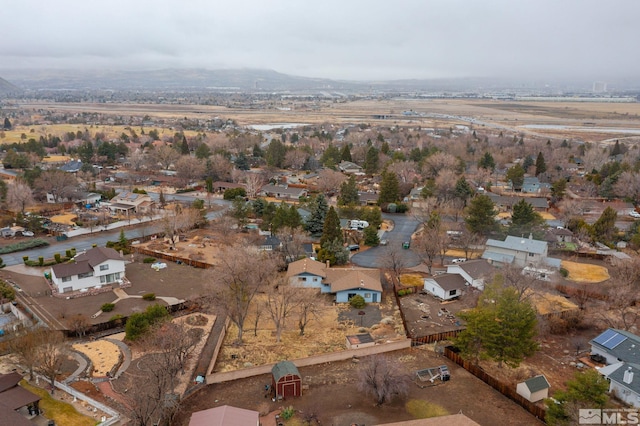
{"points": [[585, 273]]}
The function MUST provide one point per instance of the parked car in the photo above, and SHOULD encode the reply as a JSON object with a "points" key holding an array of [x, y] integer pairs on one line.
{"points": [[354, 247], [459, 260], [634, 214], [384, 242], [27, 234]]}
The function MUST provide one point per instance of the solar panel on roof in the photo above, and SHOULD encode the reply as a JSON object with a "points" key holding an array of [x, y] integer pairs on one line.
{"points": [[614, 341], [601, 339]]}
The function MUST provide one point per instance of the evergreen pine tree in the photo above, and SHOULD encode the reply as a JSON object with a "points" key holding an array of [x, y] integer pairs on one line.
{"points": [[7, 124], [242, 163], [541, 166], [389, 188], [371, 161], [184, 147], [331, 230], [345, 155], [348, 193], [481, 215], [318, 208]]}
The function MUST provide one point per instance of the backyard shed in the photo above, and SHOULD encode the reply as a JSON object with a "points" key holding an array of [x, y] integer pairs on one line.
{"points": [[535, 389], [286, 381]]}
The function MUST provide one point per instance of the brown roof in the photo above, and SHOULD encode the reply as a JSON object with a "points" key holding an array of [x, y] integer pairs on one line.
{"points": [[12, 417], [451, 420], [450, 282], [347, 279], [308, 266], [9, 380], [477, 268], [85, 262], [17, 397], [224, 416]]}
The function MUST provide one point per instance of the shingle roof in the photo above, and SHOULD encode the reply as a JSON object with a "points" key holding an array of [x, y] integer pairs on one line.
{"points": [[498, 257], [618, 376], [347, 279], [9, 380], [478, 268], [308, 266], [627, 351], [85, 262], [537, 383], [519, 244], [224, 416], [284, 368], [450, 282], [97, 255]]}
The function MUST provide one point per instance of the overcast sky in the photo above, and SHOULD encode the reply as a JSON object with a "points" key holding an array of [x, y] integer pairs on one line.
{"points": [[339, 39]]}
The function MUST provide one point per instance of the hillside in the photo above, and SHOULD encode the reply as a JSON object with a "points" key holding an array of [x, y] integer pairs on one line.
{"points": [[7, 88]]}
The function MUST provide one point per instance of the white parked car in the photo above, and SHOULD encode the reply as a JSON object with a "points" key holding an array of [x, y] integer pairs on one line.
{"points": [[634, 214], [27, 234], [459, 260]]}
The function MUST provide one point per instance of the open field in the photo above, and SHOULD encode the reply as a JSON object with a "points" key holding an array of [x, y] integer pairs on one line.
{"points": [[585, 273], [507, 115]]}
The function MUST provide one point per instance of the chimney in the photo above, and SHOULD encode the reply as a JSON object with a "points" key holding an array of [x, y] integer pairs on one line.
{"points": [[362, 285], [628, 376], [531, 236]]}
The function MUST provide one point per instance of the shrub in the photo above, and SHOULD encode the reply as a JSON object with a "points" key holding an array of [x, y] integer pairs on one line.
{"points": [[149, 260], [57, 257], [25, 258], [40, 260], [420, 409], [68, 253], [107, 307], [564, 272], [139, 322], [231, 193], [402, 208], [357, 302], [23, 245], [149, 296], [288, 412]]}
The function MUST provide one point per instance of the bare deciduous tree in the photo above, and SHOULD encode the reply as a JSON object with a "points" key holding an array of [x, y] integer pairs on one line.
{"points": [[59, 184], [426, 246], [189, 169], [51, 351], [309, 308], [19, 195], [394, 259], [178, 220], [281, 302], [329, 181], [253, 182], [163, 155], [25, 347], [79, 324], [292, 240], [381, 378], [242, 272]]}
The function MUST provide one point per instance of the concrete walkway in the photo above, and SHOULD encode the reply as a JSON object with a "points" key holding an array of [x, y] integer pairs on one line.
{"points": [[126, 356], [83, 363]]}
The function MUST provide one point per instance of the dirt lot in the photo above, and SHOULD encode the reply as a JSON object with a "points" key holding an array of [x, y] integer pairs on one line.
{"points": [[340, 379]]}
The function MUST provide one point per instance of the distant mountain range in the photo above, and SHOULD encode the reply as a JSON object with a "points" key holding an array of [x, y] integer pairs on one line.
{"points": [[259, 80], [7, 88]]}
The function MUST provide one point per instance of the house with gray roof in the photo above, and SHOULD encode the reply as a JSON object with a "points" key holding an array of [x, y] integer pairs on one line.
{"points": [[445, 286], [474, 272], [519, 252], [283, 192], [97, 267], [621, 352], [532, 185]]}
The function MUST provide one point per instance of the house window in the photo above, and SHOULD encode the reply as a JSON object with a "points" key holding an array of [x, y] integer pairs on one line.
{"points": [[303, 278], [367, 295], [453, 292], [104, 267], [85, 275], [66, 279], [531, 254], [103, 279]]}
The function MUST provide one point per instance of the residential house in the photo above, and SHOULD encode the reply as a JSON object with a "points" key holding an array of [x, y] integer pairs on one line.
{"points": [[130, 202], [220, 186], [344, 283], [16, 402], [349, 168], [534, 389], [558, 236], [621, 352], [225, 415], [532, 185], [281, 192], [505, 203], [519, 251], [8, 174], [368, 198], [445, 286], [449, 420], [474, 272], [72, 166], [89, 198], [95, 268], [270, 243]]}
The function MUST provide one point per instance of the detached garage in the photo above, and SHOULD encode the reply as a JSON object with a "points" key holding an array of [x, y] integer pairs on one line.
{"points": [[286, 381]]}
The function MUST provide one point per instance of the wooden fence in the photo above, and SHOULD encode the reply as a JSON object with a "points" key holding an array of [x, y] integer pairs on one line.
{"points": [[171, 258], [436, 337], [507, 390]]}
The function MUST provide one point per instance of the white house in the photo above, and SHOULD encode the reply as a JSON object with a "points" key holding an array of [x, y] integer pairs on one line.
{"points": [[93, 269], [445, 286], [534, 389], [621, 352], [519, 252], [474, 272], [225, 415], [344, 283]]}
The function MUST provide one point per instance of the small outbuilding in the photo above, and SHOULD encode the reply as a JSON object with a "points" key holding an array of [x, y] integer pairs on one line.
{"points": [[535, 389], [286, 381], [356, 341]]}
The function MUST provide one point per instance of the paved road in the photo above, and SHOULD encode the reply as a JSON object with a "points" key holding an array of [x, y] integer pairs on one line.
{"points": [[404, 227], [100, 238]]}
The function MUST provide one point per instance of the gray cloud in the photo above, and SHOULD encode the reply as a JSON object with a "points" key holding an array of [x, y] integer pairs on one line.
{"points": [[348, 39]]}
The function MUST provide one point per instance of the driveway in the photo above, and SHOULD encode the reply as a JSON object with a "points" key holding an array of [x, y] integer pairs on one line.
{"points": [[404, 227]]}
